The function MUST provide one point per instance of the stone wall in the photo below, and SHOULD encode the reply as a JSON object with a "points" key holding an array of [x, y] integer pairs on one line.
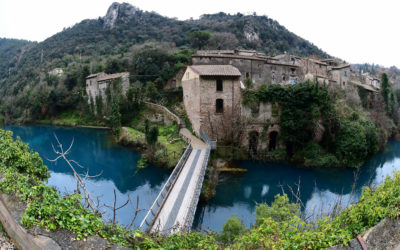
{"points": [[341, 76], [262, 120], [261, 71], [191, 98], [220, 126], [164, 115]]}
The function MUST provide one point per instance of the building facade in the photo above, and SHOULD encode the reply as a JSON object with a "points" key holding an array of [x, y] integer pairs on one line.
{"points": [[96, 84], [212, 96], [213, 85]]}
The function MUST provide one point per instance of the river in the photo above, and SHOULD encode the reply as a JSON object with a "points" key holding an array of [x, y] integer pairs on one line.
{"points": [[318, 189]]}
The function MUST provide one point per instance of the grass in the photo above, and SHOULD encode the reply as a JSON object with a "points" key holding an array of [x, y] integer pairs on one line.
{"points": [[173, 149], [133, 135], [167, 151], [72, 118]]}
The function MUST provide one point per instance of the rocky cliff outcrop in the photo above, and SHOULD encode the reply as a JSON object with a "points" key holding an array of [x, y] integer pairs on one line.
{"points": [[119, 11]]}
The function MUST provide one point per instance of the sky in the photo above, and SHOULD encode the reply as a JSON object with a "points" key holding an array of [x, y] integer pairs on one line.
{"points": [[354, 30]]}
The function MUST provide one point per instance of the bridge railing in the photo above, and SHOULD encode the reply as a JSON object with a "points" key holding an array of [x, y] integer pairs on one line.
{"points": [[150, 216], [211, 143], [196, 196]]}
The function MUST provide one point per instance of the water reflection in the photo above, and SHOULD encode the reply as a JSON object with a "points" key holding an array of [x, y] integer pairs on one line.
{"points": [[94, 149], [319, 189]]}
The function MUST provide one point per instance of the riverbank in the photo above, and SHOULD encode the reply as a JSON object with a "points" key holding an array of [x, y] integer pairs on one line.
{"points": [[166, 152], [244, 192]]}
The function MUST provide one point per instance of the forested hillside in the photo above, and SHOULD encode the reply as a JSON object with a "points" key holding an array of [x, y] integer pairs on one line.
{"points": [[11, 51], [143, 43]]}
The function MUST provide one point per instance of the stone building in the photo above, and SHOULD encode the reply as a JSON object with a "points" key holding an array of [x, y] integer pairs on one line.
{"points": [[212, 89], [260, 68], [56, 72], [212, 98], [96, 84], [340, 75]]}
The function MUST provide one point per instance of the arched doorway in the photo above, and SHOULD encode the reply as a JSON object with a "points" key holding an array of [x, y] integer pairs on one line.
{"points": [[272, 140], [253, 142]]}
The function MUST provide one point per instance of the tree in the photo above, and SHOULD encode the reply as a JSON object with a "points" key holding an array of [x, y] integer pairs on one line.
{"points": [[223, 40], [151, 91], [100, 67], [385, 91], [152, 135], [233, 227], [148, 63], [280, 210], [113, 66], [199, 39], [115, 118]]}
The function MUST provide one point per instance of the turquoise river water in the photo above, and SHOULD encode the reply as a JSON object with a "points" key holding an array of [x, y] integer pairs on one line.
{"points": [[318, 189]]}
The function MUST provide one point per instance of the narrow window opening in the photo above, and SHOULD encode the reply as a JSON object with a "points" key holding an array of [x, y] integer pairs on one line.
{"points": [[219, 106], [219, 85]]}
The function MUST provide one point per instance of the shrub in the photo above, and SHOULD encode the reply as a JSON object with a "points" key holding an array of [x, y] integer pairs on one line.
{"points": [[280, 210], [233, 228]]}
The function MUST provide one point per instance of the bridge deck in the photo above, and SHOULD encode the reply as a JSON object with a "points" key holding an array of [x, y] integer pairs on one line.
{"points": [[173, 214]]}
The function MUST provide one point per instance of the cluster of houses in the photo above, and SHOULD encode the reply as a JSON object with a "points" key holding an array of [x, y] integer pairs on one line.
{"points": [[214, 83]]}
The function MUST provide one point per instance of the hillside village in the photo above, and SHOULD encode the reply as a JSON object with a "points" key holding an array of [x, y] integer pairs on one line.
{"points": [[213, 86]]}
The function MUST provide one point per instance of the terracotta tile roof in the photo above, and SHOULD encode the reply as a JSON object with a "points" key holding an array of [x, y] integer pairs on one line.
{"points": [[215, 70], [112, 76]]}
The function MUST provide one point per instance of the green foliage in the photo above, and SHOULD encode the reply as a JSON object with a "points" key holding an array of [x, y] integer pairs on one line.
{"points": [[199, 39], [16, 155], [304, 105], [356, 140], [249, 82], [232, 229], [142, 163], [314, 155], [152, 135], [99, 105], [301, 105], [363, 93], [280, 210], [148, 64], [113, 66], [115, 118], [151, 91], [385, 91]]}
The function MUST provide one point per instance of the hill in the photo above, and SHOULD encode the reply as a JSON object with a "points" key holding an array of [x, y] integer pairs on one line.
{"points": [[116, 38]]}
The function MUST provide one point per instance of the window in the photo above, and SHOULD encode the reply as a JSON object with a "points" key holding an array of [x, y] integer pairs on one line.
{"points": [[293, 70], [345, 73], [283, 77], [219, 85], [219, 106], [247, 74]]}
